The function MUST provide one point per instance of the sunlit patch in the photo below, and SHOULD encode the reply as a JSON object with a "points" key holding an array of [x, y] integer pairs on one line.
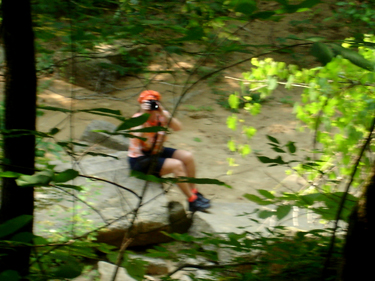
{"points": [[55, 98]]}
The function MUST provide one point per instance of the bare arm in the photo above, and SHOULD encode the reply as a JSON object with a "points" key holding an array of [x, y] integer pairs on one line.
{"points": [[175, 124]]}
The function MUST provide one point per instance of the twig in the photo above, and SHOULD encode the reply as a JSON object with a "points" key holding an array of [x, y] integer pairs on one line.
{"points": [[211, 266], [84, 202], [265, 81], [111, 182], [120, 256]]}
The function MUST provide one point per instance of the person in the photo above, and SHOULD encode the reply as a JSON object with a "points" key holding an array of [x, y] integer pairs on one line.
{"points": [[150, 153]]}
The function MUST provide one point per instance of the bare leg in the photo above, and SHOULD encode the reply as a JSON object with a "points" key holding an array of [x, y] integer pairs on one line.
{"points": [[187, 159], [176, 167]]}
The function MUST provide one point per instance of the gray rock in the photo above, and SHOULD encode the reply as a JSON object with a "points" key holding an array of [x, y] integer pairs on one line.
{"points": [[106, 271], [224, 218], [89, 276], [112, 202], [103, 139], [90, 73], [154, 266]]}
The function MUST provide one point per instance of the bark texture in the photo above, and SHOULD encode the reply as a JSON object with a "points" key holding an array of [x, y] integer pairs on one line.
{"points": [[360, 241], [19, 121]]}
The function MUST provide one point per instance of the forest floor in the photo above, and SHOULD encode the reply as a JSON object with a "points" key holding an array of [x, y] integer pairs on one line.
{"points": [[205, 132]]}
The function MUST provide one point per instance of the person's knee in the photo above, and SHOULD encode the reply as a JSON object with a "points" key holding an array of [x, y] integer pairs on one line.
{"points": [[188, 157], [178, 168]]}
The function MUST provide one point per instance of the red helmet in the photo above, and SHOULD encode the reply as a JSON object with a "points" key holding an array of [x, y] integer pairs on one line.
{"points": [[149, 95]]}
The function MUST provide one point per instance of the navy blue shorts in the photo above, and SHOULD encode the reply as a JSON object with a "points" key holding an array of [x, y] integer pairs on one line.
{"points": [[143, 163]]}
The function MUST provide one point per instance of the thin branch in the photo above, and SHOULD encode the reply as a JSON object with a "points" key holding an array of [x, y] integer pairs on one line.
{"points": [[265, 81], [211, 266], [111, 182], [84, 202], [120, 256]]}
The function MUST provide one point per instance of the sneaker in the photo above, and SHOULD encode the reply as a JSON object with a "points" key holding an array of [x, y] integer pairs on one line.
{"points": [[198, 205], [202, 198]]}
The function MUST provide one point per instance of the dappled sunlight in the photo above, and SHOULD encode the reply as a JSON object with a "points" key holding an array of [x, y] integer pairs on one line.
{"points": [[53, 98]]}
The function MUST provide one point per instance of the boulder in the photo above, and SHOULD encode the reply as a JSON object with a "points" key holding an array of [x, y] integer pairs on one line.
{"points": [[154, 266], [99, 70], [103, 139], [109, 203], [106, 271], [91, 73], [228, 217]]}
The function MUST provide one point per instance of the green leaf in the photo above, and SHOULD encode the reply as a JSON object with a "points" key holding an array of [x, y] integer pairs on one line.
{"points": [[246, 7], [13, 225], [322, 52], [133, 122], [310, 199], [54, 131], [193, 34], [282, 211], [24, 237], [264, 214], [263, 15], [68, 270], [354, 57], [200, 181], [101, 110], [173, 49], [245, 150], [232, 122], [257, 199], [234, 101], [272, 139], [153, 129], [266, 193], [104, 112], [42, 178], [278, 149], [136, 268], [279, 160], [9, 174], [65, 176], [10, 275], [75, 187], [250, 132], [291, 147], [272, 83], [52, 108], [265, 159], [232, 145]]}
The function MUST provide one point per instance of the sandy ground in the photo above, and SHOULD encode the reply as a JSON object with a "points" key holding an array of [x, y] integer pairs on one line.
{"points": [[205, 131]]}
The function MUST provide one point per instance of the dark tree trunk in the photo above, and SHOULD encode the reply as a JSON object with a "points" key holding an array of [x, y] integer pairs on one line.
{"points": [[19, 115], [360, 241]]}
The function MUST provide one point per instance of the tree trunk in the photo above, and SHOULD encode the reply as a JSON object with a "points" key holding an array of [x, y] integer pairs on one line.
{"points": [[360, 241], [19, 115]]}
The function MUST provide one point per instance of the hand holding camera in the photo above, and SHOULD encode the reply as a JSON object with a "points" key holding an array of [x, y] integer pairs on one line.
{"points": [[150, 105]]}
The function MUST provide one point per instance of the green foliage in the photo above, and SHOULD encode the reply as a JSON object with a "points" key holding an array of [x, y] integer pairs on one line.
{"points": [[256, 256], [85, 24], [360, 15], [337, 103]]}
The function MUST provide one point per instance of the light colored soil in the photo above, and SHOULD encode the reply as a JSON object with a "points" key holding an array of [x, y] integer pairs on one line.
{"points": [[205, 132]]}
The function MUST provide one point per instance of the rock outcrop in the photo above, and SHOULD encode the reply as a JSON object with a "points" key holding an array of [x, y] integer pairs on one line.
{"points": [[113, 204]]}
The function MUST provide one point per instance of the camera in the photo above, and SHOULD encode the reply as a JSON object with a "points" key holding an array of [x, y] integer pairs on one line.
{"points": [[153, 105]]}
